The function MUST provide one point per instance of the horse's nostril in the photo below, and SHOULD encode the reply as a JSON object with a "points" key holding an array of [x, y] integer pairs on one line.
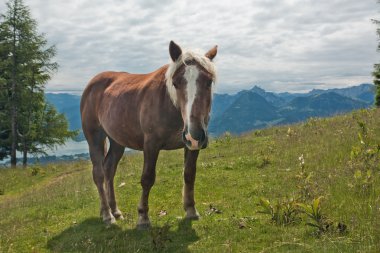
{"points": [[198, 136]]}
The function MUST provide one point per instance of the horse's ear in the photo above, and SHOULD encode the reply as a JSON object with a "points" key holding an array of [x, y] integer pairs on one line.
{"points": [[174, 50], [212, 53]]}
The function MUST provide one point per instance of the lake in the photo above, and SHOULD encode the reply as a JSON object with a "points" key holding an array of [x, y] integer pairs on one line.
{"points": [[70, 148]]}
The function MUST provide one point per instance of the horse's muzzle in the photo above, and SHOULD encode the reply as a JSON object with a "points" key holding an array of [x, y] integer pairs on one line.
{"points": [[195, 140]]}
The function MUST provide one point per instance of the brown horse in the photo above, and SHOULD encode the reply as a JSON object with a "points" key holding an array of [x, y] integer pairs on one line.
{"points": [[166, 109]]}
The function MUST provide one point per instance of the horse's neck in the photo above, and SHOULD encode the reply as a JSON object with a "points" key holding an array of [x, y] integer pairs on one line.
{"points": [[162, 90]]}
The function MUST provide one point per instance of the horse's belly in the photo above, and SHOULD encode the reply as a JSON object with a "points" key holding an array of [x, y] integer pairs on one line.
{"points": [[126, 136], [123, 128], [173, 143], [132, 138]]}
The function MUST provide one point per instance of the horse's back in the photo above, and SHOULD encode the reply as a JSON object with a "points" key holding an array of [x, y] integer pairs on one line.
{"points": [[119, 82]]}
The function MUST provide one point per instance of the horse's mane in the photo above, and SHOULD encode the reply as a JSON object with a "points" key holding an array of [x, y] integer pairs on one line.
{"points": [[205, 62]]}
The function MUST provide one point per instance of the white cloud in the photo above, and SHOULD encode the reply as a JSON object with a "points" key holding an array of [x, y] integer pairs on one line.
{"points": [[291, 45]]}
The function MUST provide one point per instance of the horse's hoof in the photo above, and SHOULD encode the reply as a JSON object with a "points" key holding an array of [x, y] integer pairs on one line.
{"points": [[192, 217], [143, 226], [192, 214], [118, 215], [109, 221]]}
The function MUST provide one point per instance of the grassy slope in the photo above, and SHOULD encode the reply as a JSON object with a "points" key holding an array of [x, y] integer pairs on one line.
{"points": [[57, 210]]}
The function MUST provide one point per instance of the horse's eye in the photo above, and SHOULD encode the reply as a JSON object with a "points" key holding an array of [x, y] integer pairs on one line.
{"points": [[175, 85], [209, 83]]}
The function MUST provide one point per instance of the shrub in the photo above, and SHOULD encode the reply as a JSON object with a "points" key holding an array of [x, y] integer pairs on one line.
{"points": [[319, 220], [282, 213]]}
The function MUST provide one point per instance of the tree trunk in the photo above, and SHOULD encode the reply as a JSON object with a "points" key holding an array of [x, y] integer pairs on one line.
{"points": [[25, 155], [13, 98], [13, 135]]}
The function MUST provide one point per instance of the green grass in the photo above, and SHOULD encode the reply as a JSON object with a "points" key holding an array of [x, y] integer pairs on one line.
{"points": [[58, 209]]}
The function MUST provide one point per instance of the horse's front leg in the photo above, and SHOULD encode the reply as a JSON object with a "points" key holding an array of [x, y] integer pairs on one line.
{"points": [[147, 180], [189, 173]]}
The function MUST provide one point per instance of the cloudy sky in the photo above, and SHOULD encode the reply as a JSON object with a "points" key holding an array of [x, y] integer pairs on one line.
{"points": [[290, 45]]}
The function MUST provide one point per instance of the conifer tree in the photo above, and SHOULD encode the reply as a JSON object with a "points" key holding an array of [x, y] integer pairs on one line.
{"points": [[25, 66]]}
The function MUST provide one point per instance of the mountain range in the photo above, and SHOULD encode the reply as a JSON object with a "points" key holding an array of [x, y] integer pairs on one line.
{"points": [[255, 108]]}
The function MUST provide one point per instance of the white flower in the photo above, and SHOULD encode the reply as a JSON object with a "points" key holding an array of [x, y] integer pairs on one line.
{"points": [[301, 159]]}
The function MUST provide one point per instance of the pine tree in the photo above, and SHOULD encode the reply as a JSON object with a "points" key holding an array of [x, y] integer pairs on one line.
{"points": [[26, 65], [4, 115], [51, 130]]}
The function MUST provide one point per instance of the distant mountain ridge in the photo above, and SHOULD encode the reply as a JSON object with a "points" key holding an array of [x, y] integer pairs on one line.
{"points": [[284, 108], [255, 108], [363, 92]]}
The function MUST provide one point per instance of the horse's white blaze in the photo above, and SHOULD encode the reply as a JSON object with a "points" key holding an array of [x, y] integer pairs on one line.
{"points": [[191, 76], [173, 66]]}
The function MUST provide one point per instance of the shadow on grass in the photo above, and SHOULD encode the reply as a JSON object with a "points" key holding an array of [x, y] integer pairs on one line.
{"points": [[92, 236]]}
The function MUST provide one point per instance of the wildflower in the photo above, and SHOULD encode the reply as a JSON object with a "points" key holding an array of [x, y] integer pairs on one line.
{"points": [[289, 133], [302, 160]]}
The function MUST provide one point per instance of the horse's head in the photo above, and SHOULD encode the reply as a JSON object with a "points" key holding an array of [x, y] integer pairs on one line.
{"points": [[190, 79]]}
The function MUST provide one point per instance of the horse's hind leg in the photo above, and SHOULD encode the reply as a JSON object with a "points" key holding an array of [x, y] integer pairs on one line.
{"points": [[96, 146], [113, 157]]}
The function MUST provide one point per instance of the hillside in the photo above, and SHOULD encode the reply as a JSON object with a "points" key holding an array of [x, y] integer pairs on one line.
{"points": [[319, 105], [283, 108], [69, 105], [248, 111], [55, 208]]}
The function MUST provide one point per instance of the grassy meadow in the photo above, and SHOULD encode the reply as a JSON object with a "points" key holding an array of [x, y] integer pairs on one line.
{"points": [[310, 187]]}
